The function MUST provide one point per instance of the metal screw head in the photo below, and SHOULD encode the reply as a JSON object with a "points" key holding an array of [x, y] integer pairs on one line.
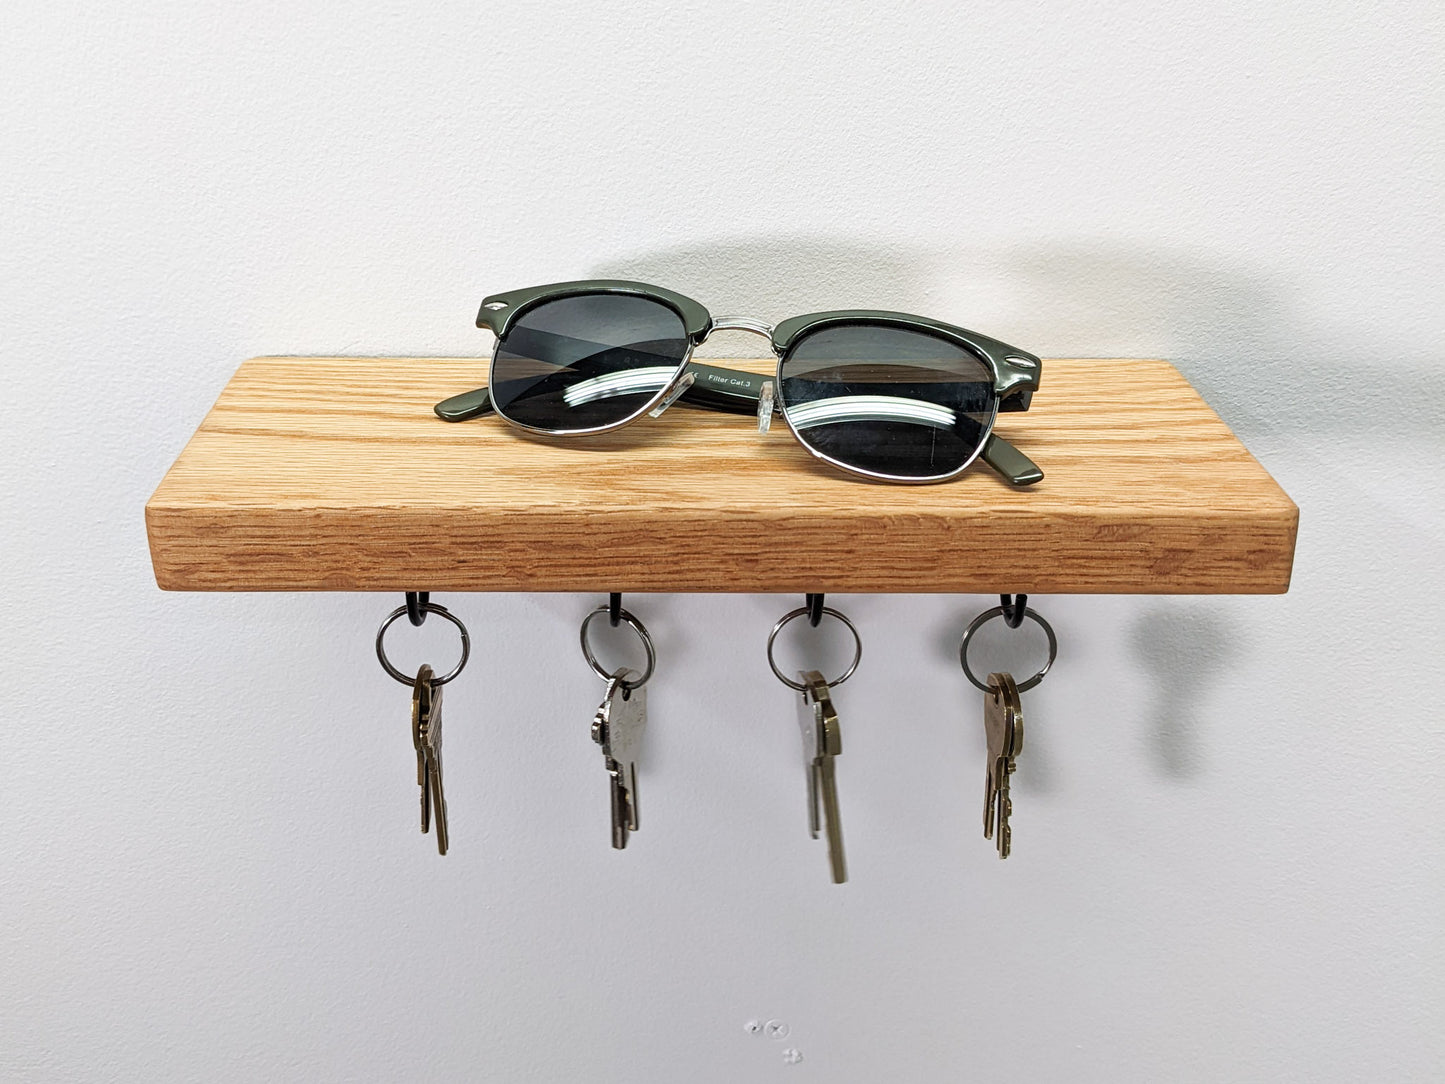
{"points": [[776, 1029]]}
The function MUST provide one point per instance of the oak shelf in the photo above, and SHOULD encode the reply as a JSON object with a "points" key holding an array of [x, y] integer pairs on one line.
{"points": [[332, 474]]}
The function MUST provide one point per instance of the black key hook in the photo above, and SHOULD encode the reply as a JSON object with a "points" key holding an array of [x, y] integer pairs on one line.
{"points": [[416, 604], [1013, 609], [614, 608], [815, 608]]}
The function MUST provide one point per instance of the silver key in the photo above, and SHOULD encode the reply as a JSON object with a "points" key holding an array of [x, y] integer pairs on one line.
{"points": [[618, 727], [822, 741], [426, 736], [1003, 724]]}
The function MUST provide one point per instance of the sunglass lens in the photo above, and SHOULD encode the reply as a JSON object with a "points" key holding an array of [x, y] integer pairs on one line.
{"points": [[586, 362], [887, 400]]}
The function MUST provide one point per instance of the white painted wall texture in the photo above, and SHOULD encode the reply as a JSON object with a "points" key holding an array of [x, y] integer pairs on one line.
{"points": [[1228, 819]]}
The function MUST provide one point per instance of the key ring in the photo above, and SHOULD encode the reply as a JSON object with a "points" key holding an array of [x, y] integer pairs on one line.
{"points": [[803, 611], [637, 627], [989, 615], [425, 608]]}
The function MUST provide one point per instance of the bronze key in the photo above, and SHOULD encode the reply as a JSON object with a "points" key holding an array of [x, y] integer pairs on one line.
{"points": [[822, 741], [426, 736], [1003, 723]]}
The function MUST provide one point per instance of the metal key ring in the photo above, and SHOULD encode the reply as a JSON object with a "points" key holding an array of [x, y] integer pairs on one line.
{"points": [[802, 611], [637, 627], [989, 615], [426, 608]]}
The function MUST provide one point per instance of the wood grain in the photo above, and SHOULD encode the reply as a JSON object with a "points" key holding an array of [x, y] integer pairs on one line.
{"points": [[332, 474]]}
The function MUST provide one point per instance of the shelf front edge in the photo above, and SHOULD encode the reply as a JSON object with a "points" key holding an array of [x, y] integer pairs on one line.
{"points": [[350, 549]]}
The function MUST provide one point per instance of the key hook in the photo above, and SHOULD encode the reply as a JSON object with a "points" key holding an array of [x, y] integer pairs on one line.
{"points": [[416, 604], [814, 604], [614, 609], [1014, 608]]}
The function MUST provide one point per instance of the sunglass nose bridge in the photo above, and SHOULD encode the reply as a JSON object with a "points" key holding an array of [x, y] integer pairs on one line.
{"points": [[742, 323]]}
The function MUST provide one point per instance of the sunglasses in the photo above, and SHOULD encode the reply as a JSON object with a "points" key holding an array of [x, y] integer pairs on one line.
{"points": [[883, 395]]}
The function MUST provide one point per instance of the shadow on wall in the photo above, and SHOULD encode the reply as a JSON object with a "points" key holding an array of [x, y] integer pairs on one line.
{"points": [[1231, 330], [1184, 648], [774, 279]]}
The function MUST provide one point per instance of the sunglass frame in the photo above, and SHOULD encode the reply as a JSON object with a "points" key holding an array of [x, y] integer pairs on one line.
{"points": [[1016, 372]]}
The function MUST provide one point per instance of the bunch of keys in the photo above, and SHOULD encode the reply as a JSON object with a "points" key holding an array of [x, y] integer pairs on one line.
{"points": [[1003, 720], [426, 714], [822, 735], [618, 727], [1003, 724], [426, 735], [822, 741], [621, 720]]}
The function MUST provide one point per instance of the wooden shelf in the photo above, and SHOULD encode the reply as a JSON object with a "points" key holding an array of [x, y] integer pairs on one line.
{"points": [[332, 474]]}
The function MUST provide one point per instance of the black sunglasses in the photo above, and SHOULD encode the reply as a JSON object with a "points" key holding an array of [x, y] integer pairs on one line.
{"points": [[884, 395]]}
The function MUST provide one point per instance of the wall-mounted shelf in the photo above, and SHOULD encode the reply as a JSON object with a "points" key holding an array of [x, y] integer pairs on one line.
{"points": [[332, 474]]}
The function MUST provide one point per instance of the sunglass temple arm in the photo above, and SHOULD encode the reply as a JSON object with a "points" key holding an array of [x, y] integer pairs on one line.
{"points": [[1017, 468], [716, 389], [738, 392], [469, 404]]}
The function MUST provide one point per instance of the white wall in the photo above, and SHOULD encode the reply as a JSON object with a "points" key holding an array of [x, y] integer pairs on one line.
{"points": [[1228, 817]]}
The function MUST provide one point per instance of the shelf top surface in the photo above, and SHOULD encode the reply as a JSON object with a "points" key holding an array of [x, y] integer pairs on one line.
{"points": [[314, 473]]}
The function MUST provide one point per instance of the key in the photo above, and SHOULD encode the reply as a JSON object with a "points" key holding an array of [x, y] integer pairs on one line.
{"points": [[422, 695], [1003, 724], [618, 727], [426, 735], [432, 745], [822, 741]]}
